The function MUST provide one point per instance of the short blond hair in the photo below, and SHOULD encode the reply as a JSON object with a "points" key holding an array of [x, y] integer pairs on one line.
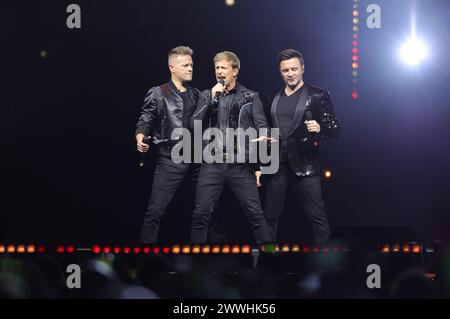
{"points": [[230, 57], [180, 50]]}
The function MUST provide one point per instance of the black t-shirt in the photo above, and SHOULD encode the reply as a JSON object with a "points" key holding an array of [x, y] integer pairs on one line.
{"points": [[286, 110], [188, 109]]}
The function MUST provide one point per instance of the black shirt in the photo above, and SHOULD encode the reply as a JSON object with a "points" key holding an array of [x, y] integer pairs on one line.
{"points": [[223, 113], [188, 109], [286, 110]]}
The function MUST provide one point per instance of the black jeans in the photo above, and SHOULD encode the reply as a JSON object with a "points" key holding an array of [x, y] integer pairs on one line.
{"points": [[168, 176], [242, 182], [307, 189]]}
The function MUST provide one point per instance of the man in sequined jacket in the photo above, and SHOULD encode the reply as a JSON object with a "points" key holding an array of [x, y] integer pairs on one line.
{"points": [[304, 115]]}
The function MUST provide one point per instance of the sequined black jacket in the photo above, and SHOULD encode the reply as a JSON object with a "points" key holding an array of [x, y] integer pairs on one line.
{"points": [[302, 147]]}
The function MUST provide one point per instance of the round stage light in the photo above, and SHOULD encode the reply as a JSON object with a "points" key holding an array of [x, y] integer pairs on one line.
{"points": [[413, 51]]}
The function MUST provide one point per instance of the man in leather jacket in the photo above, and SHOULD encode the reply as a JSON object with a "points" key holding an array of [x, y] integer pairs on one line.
{"points": [[237, 107], [304, 115], [167, 107]]}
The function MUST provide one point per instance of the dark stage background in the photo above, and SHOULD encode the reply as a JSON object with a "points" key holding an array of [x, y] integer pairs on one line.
{"points": [[69, 166]]}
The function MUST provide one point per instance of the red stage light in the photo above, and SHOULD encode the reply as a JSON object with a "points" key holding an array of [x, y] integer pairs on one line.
{"points": [[96, 249]]}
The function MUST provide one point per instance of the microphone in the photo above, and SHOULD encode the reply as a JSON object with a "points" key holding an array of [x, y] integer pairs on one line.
{"points": [[308, 115], [146, 140], [218, 93]]}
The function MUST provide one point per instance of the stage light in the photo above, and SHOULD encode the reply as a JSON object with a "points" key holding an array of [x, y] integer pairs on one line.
{"points": [[406, 248], [186, 249], [176, 249], [327, 174], [355, 28], [21, 249], [146, 250], [235, 249], [41, 249], [295, 248], [396, 248], [2, 249], [246, 249], [355, 21], [137, 250], [315, 250], [206, 249], [416, 249], [306, 249], [355, 95], [156, 250], [355, 43], [196, 249], [43, 54], [285, 249], [166, 250], [60, 249], [96, 249], [126, 250], [216, 249], [355, 73], [226, 249], [355, 65], [30, 249], [230, 2], [413, 51], [355, 36], [116, 250], [70, 249], [355, 50], [355, 13], [11, 249], [385, 249], [355, 58]]}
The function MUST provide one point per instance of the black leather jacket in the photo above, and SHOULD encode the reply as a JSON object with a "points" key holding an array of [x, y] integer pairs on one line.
{"points": [[246, 111], [163, 112], [302, 147]]}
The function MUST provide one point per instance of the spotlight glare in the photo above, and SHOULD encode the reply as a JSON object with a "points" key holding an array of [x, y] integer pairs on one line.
{"points": [[413, 51]]}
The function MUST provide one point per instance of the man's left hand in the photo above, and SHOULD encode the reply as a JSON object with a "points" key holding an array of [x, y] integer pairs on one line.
{"points": [[264, 138], [258, 176], [313, 126]]}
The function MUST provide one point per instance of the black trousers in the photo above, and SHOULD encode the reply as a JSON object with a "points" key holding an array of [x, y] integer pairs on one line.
{"points": [[168, 176], [242, 182], [307, 189]]}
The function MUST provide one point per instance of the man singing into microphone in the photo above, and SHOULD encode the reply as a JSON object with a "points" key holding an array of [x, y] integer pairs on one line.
{"points": [[228, 105], [167, 107], [304, 114]]}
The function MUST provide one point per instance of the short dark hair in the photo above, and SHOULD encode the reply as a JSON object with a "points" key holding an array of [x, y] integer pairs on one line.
{"points": [[290, 54]]}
